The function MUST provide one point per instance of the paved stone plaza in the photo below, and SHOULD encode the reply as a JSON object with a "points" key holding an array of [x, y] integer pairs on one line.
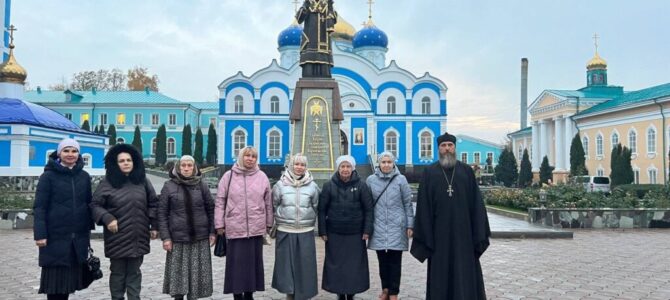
{"points": [[593, 265]]}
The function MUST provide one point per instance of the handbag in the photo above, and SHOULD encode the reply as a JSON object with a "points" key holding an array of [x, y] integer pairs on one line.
{"points": [[273, 230], [91, 270], [220, 245]]}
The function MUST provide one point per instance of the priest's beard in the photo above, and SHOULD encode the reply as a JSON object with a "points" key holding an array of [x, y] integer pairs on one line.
{"points": [[448, 160]]}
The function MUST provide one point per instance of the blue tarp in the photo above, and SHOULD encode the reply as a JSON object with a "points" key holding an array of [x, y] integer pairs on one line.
{"points": [[15, 111]]}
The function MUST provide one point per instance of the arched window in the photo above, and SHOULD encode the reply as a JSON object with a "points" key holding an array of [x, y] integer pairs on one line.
{"points": [[274, 144], [170, 146], [391, 143], [426, 145], [464, 157], [239, 142], [239, 104], [599, 145], [520, 153], [390, 105], [120, 140], [600, 172], [274, 105], [153, 146], [651, 140], [652, 175], [632, 142], [615, 139], [585, 145], [425, 106]]}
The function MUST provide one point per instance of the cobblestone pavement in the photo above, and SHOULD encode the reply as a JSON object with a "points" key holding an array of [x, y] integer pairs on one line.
{"points": [[594, 265]]}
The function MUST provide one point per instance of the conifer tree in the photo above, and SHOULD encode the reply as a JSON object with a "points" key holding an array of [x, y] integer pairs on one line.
{"points": [[197, 154], [137, 139], [526, 171], [506, 170], [161, 149], [615, 165], [545, 170], [186, 140], [86, 126], [577, 157], [111, 132], [211, 145]]}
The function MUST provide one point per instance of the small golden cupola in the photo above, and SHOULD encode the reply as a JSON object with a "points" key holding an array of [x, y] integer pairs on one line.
{"points": [[10, 70], [596, 62]]}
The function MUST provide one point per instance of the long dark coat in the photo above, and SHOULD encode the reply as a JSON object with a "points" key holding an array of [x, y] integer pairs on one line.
{"points": [[181, 220], [452, 232], [62, 215]]}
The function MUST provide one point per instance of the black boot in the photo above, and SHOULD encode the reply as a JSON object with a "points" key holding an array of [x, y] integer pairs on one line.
{"points": [[248, 296], [350, 297], [341, 297], [179, 297], [238, 296]]}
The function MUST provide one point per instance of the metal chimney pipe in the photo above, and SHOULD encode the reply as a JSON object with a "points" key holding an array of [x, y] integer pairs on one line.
{"points": [[524, 93]]}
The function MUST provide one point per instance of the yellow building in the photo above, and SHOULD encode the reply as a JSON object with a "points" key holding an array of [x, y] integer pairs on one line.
{"points": [[603, 115]]}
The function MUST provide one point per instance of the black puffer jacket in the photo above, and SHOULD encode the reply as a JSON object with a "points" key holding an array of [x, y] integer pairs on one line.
{"points": [[174, 212], [62, 215], [345, 207]]}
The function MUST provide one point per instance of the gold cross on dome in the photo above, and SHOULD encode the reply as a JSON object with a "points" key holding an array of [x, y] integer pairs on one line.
{"points": [[370, 2], [11, 30], [595, 39]]}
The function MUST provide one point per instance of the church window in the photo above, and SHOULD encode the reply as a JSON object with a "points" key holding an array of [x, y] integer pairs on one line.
{"points": [[632, 142], [651, 140], [172, 119], [636, 174], [121, 119], [274, 144], [489, 157], [599, 145], [519, 153], [68, 116], [585, 145], [239, 104], [274, 105], [153, 146], [426, 145], [239, 142], [155, 119], [120, 140], [425, 106], [464, 157], [87, 160], [476, 158], [137, 119], [390, 105], [652, 176], [600, 172], [615, 139], [103, 119], [391, 143], [170, 146]]}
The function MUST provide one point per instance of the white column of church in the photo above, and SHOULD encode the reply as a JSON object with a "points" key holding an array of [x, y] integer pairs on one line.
{"points": [[536, 147], [257, 137], [409, 144], [559, 149], [544, 143], [222, 142], [569, 134]]}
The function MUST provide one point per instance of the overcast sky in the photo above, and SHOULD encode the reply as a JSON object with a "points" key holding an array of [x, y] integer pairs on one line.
{"points": [[475, 47]]}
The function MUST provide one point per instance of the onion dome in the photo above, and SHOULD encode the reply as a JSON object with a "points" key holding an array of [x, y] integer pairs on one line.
{"points": [[10, 70], [343, 30], [596, 62], [290, 36], [370, 36]]}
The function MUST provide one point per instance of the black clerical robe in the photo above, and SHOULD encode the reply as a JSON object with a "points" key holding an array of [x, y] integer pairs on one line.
{"points": [[319, 18], [451, 232]]}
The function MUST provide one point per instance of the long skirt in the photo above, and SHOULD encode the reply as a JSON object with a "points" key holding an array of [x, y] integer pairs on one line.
{"points": [[295, 265], [244, 266], [345, 268], [188, 270], [63, 280]]}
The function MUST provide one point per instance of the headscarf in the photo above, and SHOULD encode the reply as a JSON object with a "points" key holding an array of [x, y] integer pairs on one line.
{"points": [[446, 137], [240, 157], [177, 176], [290, 178], [348, 158]]}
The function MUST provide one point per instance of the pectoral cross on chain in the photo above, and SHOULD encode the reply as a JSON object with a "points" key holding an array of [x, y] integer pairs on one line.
{"points": [[450, 190]]}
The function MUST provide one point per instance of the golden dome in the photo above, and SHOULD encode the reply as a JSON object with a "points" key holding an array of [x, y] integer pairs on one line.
{"points": [[343, 30], [11, 71], [596, 62]]}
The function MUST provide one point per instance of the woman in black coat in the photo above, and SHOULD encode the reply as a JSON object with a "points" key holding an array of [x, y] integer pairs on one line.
{"points": [[63, 221], [126, 204], [346, 216]]}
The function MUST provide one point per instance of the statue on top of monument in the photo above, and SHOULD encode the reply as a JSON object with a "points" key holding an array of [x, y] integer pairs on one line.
{"points": [[316, 55]]}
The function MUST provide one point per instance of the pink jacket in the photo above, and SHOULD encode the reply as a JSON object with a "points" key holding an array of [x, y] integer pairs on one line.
{"points": [[249, 209]]}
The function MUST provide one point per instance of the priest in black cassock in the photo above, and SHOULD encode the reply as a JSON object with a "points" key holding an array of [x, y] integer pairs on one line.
{"points": [[451, 228]]}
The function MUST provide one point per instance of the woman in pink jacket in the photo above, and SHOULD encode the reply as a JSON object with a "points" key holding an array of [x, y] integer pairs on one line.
{"points": [[244, 217]]}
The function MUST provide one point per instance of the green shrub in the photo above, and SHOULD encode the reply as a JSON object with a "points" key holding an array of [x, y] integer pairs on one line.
{"points": [[640, 190]]}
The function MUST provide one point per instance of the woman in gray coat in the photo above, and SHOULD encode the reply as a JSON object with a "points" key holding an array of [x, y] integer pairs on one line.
{"points": [[394, 219], [186, 225], [295, 199]]}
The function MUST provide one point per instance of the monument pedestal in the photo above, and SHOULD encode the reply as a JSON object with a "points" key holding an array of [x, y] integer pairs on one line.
{"points": [[316, 114]]}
